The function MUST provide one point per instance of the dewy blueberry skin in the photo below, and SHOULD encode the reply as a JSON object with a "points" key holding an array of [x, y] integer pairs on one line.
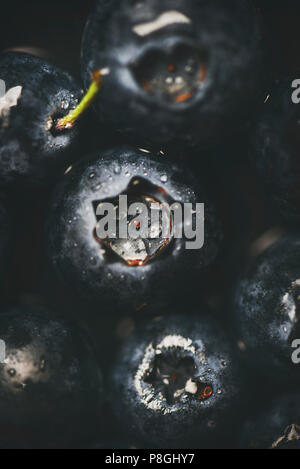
{"points": [[32, 150], [177, 70], [267, 310], [277, 427], [178, 381], [50, 382], [127, 275]]}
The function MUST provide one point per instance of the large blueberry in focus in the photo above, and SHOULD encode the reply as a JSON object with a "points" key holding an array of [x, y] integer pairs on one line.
{"points": [[50, 383], [34, 94], [278, 427], [177, 70], [178, 382], [275, 150], [267, 302], [123, 272]]}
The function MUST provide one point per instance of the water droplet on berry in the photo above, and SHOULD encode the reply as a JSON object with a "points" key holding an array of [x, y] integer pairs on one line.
{"points": [[93, 261]]}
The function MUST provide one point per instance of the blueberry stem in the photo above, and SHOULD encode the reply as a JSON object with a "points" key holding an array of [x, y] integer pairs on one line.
{"points": [[68, 121]]}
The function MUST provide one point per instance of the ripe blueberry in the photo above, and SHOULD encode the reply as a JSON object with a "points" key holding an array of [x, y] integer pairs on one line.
{"points": [[34, 95], [50, 383], [178, 381], [267, 309], [128, 273], [178, 70]]}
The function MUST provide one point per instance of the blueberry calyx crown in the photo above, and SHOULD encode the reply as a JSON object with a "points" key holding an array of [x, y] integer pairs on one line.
{"points": [[139, 250], [24, 368], [169, 375], [175, 76]]}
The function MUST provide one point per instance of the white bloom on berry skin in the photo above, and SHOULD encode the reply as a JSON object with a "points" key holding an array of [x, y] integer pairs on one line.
{"points": [[167, 18], [10, 99]]}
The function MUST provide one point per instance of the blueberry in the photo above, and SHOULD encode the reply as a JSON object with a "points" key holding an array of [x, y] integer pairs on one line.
{"points": [[275, 150], [33, 95], [277, 427], [178, 381], [128, 273], [177, 70], [267, 309], [50, 383]]}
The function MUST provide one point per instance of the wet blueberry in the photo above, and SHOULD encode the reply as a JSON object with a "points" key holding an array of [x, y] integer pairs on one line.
{"points": [[277, 427], [33, 95], [178, 381], [276, 147], [132, 270], [50, 383], [177, 70], [267, 310]]}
